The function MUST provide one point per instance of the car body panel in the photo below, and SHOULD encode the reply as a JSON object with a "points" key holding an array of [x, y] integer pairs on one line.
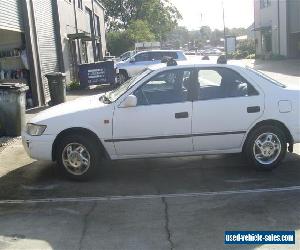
{"points": [[155, 131]]}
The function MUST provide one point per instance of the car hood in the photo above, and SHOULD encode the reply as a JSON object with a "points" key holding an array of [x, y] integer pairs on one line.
{"points": [[120, 63], [78, 105]]}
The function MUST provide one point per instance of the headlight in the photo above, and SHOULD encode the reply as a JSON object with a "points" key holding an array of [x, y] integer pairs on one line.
{"points": [[35, 129]]}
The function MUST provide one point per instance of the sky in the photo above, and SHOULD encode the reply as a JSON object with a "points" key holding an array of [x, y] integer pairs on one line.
{"points": [[238, 13]]}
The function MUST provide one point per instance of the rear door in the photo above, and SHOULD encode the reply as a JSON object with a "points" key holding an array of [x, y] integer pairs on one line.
{"points": [[226, 106]]}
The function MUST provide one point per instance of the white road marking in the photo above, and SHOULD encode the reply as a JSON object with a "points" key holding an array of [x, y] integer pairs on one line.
{"points": [[150, 196], [39, 187]]}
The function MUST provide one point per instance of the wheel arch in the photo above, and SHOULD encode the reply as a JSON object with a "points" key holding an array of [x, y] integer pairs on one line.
{"points": [[77, 131], [275, 123]]}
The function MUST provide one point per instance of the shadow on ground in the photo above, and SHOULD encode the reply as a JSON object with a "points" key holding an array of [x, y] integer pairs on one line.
{"points": [[149, 176]]}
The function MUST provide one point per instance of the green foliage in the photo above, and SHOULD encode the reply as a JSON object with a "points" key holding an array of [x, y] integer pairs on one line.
{"points": [[73, 86], [160, 15], [236, 32], [245, 49], [122, 41], [238, 55], [251, 56], [181, 36], [118, 42], [139, 31], [246, 46]]}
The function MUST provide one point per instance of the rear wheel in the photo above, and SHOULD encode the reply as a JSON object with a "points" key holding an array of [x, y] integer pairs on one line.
{"points": [[78, 156], [266, 147]]}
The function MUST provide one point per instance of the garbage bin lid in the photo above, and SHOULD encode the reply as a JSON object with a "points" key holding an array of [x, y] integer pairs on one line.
{"points": [[10, 85], [55, 74]]}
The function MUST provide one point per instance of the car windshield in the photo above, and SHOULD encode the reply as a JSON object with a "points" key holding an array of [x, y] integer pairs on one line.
{"points": [[261, 74], [114, 95]]}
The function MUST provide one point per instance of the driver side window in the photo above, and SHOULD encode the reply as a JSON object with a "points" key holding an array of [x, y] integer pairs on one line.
{"points": [[166, 87]]}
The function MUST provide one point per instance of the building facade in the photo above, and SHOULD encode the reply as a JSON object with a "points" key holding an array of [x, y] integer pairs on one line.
{"points": [[42, 36], [277, 27]]}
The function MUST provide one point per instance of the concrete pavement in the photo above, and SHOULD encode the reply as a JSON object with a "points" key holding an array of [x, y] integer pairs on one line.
{"points": [[175, 203]]}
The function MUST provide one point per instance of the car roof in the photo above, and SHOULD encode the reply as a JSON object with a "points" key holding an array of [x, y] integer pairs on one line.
{"points": [[187, 64], [160, 50]]}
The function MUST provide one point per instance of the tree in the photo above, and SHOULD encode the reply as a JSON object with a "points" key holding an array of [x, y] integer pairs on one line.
{"points": [[160, 15], [139, 31], [205, 33], [118, 42], [124, 40], [178, 37]]}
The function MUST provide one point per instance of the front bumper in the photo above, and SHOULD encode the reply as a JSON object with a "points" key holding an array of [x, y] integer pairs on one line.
{"points": [[38, 147]]}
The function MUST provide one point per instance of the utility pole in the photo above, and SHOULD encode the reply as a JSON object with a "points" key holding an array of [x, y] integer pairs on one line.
{"points": [[225, 42]]}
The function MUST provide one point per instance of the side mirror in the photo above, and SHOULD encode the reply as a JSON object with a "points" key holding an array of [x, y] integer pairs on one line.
{"points": [[132, 60], [130, 101]]}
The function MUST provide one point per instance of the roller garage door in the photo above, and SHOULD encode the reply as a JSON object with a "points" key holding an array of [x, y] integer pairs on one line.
{"points": [[46, 40], [11, 17]]}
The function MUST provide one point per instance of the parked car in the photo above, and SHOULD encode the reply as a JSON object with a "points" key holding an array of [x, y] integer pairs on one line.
{"points": [[213, 52], [140, 61], [171, 111]]}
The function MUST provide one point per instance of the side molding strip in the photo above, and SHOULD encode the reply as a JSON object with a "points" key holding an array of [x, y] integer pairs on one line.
{"points": [[174, 136]]}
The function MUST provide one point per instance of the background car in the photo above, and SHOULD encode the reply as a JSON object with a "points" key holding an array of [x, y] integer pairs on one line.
{"points": [[144, 59], [126, 55]]}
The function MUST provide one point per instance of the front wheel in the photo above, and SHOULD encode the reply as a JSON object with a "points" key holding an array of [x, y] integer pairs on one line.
{"points": [[266, 147], [78, 157]]}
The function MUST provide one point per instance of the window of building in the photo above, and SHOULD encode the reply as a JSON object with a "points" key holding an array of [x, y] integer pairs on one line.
{"points": [[80, 5], [97, 24], [90, 20], [265, 3], [84, 52]]}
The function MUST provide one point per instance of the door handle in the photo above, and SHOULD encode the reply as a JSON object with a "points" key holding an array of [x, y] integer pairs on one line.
{"points": [[181, 115], [254, 109]]}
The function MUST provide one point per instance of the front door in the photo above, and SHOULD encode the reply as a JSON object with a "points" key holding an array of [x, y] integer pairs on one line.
{"points": [[161, 122], [226, 106]]}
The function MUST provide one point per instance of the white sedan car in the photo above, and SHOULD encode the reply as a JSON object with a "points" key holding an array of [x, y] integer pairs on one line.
{"points": [[171, 111]]}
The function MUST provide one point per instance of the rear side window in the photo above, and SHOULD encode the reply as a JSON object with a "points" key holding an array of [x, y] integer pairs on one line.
{"points": [[142, 57], [170, 54], [215, 83]]}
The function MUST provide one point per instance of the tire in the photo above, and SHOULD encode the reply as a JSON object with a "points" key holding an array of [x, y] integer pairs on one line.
{"points": [[262, 150], [82, 162]]}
